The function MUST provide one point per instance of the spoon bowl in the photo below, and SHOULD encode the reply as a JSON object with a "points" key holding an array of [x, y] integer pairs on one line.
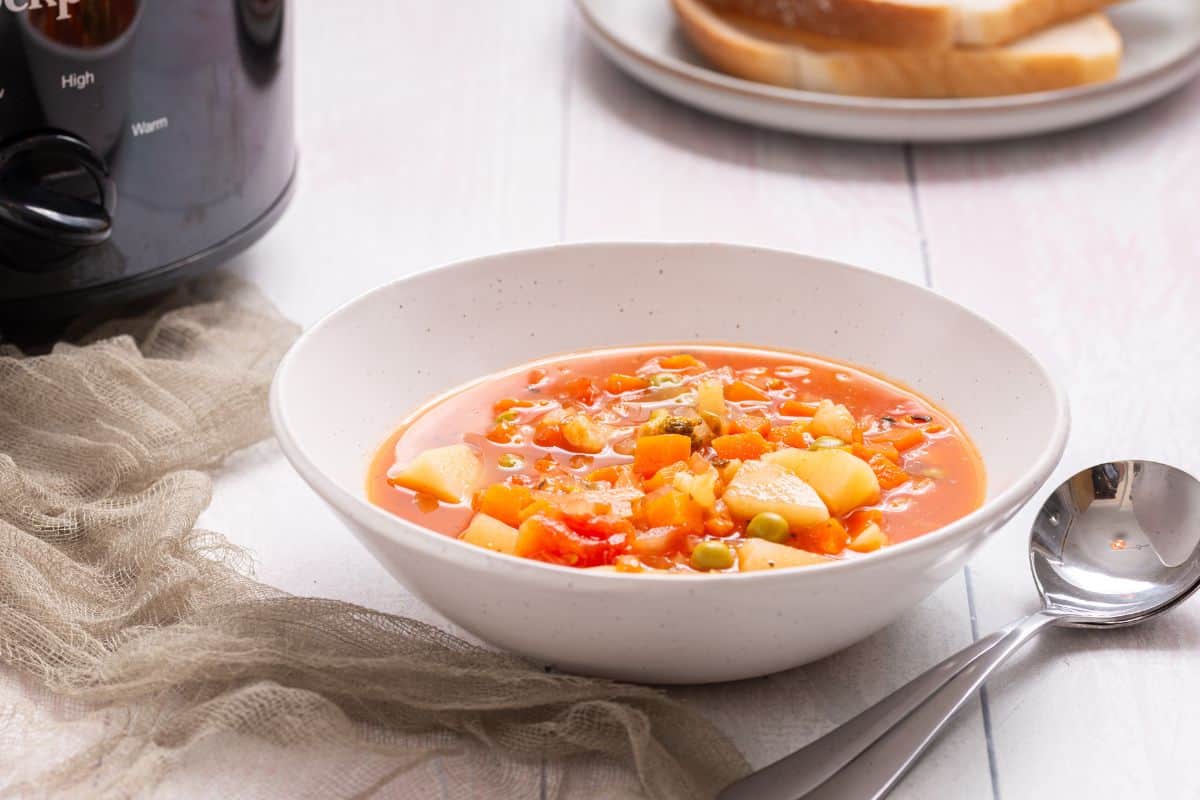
{"points": [[1117, 543]]}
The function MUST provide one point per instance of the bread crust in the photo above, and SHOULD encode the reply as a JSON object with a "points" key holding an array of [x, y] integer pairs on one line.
{"points": [[792, 58], [887, 23], [918, 24]]}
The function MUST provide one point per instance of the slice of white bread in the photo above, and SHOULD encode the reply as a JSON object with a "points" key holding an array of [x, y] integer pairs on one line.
{"points": [[915, 23], [1086, 50]]}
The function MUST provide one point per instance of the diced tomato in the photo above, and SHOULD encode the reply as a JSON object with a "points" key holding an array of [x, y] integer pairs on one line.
{"points": [[679, 361], [796, 408], [889, 475], [750, 423], [657, 541], [741, 445], [504, 502], [867, 451], [599, 525], [619, 383], [555, 541], [900, 438], [739, 391], [669, 507], [830, 538], [652, 453], [582, 389]]}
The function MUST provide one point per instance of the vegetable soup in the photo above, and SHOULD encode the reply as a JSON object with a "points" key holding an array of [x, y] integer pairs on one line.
{"points": [[680, 459]]}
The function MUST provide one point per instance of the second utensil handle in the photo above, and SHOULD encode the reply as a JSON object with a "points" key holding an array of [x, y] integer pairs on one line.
{"points": [[879, 767]]}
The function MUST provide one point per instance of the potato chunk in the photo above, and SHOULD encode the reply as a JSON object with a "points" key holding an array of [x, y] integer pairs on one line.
{"points": [[710, 397], [759, 554], [583, 435], [701, 488], [833, 420], [489, 532], [447, 473], [761, 486], [869, 540], [843, 481]]}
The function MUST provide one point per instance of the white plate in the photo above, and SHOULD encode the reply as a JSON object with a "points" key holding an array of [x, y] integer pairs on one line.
{"points": [[1162, 52]]}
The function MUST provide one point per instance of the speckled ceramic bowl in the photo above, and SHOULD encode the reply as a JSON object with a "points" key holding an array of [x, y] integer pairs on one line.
{"points": [[335, 399]]}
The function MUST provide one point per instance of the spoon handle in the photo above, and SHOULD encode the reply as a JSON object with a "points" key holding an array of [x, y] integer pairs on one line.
{"points": [[881, 765], [801, 772]]}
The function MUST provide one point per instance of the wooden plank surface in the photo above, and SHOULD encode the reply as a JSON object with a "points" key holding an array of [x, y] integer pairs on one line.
{"points": [[1085, 246]]}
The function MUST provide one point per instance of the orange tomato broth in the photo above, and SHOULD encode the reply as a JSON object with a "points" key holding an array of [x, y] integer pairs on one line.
{"points": [[943, 475]]}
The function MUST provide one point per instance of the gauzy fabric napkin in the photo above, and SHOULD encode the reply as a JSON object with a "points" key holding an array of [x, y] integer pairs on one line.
{"points": [[145, 644]]}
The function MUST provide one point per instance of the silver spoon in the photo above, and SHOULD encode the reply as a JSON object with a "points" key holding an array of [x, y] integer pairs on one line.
{"points": [[1115, 544]]}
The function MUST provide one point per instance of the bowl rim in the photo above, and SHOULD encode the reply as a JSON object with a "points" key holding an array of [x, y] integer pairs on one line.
{"points": [[435, 544]]}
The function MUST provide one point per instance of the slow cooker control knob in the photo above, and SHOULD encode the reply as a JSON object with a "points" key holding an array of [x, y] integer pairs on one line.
{"points": [[55, 188]]}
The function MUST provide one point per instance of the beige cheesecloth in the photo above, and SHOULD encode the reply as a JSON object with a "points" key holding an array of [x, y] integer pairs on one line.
{"points": [[138, 655]]}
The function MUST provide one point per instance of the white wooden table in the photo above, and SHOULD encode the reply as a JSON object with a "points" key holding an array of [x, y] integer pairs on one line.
{"points": [[432, 132]]}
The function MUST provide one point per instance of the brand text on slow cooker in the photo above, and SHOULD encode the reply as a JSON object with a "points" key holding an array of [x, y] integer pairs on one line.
{"points": [[63, 6]]}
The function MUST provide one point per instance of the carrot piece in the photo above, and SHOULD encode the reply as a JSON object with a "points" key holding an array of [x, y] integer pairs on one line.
{"points": [[901, 438], [830, 538], [857, 522], [867, 451], [501, 434], [504, 502], [739, 391], [664, 476], [510, 402], [791, 435], [935, 428], [750, 422], [679, 361], [619, 383], [719, 525], [548, 434], [741, 445], [670, 508], [889, 475], [544, 507], [536, 376], [652, 453], [796, 408], [582, 389], [610, 474]]}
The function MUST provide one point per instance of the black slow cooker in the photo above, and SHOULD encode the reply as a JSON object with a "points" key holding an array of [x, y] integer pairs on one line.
{"points": [[140, 142]]}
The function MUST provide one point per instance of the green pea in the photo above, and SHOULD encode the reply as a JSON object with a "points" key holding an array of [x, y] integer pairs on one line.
{"points": [[510, 461], [826, 443], [712, 555], [770, 526], [508, 416]]}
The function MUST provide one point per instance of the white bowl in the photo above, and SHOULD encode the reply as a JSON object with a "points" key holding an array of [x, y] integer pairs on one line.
{"points": [[353, 377]]}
